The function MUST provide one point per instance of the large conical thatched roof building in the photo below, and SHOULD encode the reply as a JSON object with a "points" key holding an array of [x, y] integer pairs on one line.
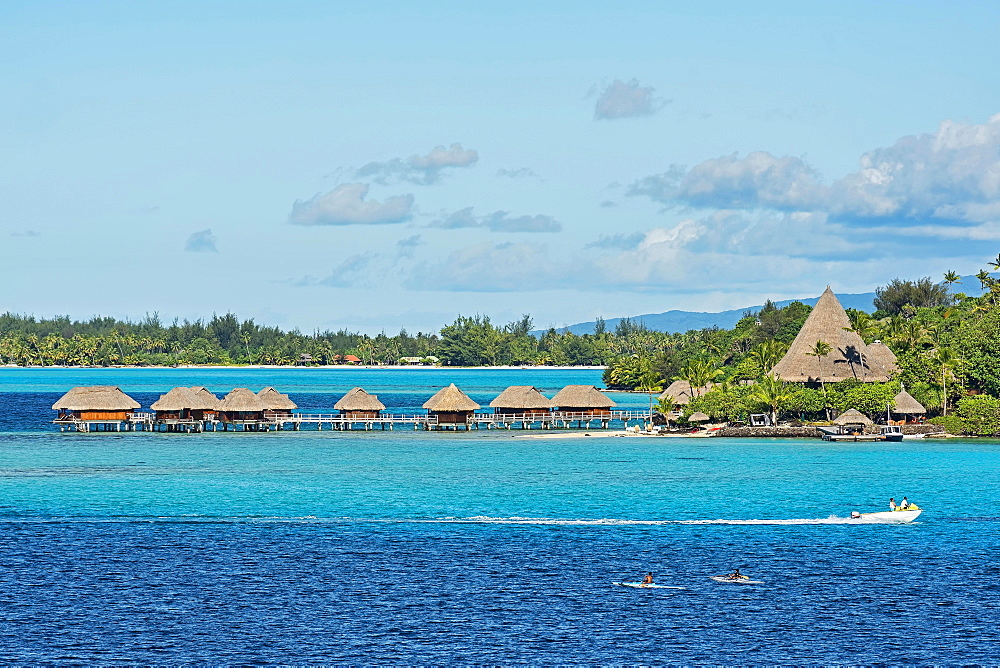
{"points": [[680, 392], [848, 358], [879, 354]]}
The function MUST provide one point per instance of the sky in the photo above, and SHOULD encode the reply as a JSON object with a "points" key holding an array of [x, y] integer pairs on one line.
{"points": [[383, 165]]}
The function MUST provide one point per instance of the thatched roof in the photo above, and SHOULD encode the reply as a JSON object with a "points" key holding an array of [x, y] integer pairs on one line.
{"points": [[904, 403], [680, 392], [182, 398], [96, 398], [698, 417], [849, 357], [208, 396], [359, 400], [879, 353], [582, 396], [275, 401], [450, 400], [853, 416], [241, 399], [524, 397]]}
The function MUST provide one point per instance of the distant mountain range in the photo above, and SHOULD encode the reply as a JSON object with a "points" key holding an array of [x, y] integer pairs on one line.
{"points": [[682, 321]]}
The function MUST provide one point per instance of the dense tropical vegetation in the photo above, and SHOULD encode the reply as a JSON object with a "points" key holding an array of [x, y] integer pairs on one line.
{"points": [[947, 344]]}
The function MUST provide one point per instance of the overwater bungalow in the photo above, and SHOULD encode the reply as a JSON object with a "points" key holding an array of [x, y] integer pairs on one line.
{"points": [[96, 407], [358, 404], [451, 407], [583, 402], [205, 414], [524, 400], [241, 406], [276, 404], [176, 409], [849, 356]]}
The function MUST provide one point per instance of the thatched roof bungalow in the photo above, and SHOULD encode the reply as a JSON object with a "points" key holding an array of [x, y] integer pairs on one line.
{"points": [[852, 416], [241, 405], [209, 412], [180, 402], [357, 403], [97, 402], [451, 406], [522, 400], [275, 403], [585, 400], [849, 357], [905, 405], [680, 392]]}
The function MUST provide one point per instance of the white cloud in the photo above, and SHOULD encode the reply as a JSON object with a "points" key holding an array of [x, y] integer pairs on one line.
{"points": [[498, 221], [949, 177], [346, 205], [420, 169], [622, 99], [201, 242], [519, 173]]}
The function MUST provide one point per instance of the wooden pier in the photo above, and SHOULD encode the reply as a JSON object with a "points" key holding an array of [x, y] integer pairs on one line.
{"points": [[147, 422]]}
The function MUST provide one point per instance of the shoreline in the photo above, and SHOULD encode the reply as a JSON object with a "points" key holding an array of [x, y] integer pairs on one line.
{"points": [[332, 367]]}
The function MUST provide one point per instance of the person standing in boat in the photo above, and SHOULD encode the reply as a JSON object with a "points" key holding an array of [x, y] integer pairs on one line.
{"points": [[892, 503], [648, 580]]}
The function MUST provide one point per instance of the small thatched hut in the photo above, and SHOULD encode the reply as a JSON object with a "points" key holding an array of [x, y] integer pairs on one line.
{"points": [[680, 392], [275, 403], [100, 403], [240, 406], [451, 406], [698, 417], [906, 406], [357, 403], [849, 357], [583, 400], [180, 403], [853, 417], [211, 400], [522, 400]]}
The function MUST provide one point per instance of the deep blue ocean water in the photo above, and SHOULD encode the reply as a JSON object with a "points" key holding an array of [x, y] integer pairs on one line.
{"points": [[477, 548]]}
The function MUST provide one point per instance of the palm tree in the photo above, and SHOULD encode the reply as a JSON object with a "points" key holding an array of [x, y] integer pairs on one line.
{"points": [[819, 351], [995, 263], [950, 277], [946, 359], [772, 392], [767, 354]]}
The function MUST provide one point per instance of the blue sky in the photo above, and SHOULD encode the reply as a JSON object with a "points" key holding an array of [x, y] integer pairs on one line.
{"points": [[382, 165]]}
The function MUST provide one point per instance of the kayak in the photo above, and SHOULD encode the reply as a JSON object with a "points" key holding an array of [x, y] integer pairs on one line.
{"points": [[642, 585], [739, 581], [893, 516]]}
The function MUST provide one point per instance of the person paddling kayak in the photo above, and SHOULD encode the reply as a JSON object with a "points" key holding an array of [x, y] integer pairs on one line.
{"points": [[648, 580], [736, 575]]}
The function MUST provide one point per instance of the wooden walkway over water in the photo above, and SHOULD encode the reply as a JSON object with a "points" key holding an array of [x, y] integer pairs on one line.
{"points": [[143, 421]]}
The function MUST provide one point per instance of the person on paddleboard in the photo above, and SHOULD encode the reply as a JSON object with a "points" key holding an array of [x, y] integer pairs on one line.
{"points": [[648, 580]]}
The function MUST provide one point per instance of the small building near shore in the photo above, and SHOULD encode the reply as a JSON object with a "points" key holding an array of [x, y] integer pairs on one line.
{"points": [[275, 403], [680, 392], [584, 401], [906, 408], [358, 404], [97, 403], [180, 404], [240, 406], [451, 406], [853, 420], [522, 400]]}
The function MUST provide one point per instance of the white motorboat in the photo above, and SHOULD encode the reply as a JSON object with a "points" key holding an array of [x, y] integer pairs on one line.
{"points": [[888, 516]]}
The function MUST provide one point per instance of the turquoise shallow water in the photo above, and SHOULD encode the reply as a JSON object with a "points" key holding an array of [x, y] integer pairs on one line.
{"points": [[413, 547]]}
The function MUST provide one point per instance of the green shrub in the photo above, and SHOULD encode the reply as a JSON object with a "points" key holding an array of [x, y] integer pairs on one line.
{"points": [[951, 423], [981, 415]]}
